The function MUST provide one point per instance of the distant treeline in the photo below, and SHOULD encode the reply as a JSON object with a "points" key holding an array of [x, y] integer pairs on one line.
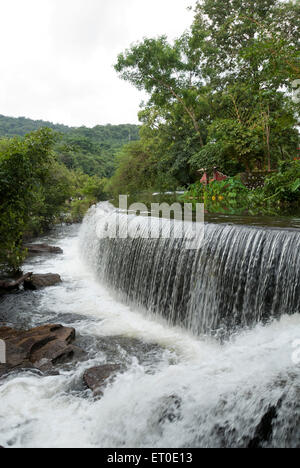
{"points": [[11, 126], [91, 150]]}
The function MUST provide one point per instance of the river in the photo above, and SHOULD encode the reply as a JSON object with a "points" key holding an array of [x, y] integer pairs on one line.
{"points": [[179, 385]]}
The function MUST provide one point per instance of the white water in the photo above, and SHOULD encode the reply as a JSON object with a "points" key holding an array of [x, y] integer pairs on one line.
{"points": [[223, 390]]}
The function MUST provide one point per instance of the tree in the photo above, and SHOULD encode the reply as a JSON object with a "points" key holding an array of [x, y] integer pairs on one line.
{"points": [[253, 40], [169, 73], [248, 129], [220, 94], [251, 49], [24, 166], [35, 190], [136, 171]]}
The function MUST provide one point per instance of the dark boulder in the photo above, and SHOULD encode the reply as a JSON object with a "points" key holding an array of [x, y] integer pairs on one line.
{"points": [[42, 248], [35, 282], [96, 378]]}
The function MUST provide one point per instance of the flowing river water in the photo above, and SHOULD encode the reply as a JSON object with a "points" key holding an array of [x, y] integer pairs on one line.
{"points": [[214, 366]]}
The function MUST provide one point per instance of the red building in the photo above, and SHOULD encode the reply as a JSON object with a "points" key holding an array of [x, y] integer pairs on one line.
{"points": [[217, 176]]}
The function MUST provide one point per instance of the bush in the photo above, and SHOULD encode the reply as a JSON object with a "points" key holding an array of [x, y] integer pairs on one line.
{"points": [[285, 185]]}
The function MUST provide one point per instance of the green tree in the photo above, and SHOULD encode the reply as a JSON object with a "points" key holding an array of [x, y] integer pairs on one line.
{"points": [[24, 166], [135, 173], [169, 73], [220, 94], [253, 40]]}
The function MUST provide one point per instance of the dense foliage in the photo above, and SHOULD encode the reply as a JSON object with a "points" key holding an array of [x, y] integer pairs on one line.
{"points": [[285, 185], [219, 96], [35, 190], [280, 192], [24, 167]]}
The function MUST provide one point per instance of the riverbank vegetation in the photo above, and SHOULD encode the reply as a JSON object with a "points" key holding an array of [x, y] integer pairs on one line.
{"points": [[37, 190], [280, 193]]}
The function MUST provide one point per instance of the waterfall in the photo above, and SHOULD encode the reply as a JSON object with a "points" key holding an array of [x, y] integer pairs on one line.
{"points": [[237, 277]]}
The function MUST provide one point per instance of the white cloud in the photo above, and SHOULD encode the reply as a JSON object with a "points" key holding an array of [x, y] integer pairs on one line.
{"points": [[57, 56]]}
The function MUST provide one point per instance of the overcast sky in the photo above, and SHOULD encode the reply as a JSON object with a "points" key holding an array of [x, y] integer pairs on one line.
{"points": [[57, 56]]}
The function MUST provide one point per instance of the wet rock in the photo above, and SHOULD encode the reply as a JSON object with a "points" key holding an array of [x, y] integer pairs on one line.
{"points": [[39, 348], [36, 282], [42, 248], [97, 377], [46, 368], [26, 366], [54, 352]]}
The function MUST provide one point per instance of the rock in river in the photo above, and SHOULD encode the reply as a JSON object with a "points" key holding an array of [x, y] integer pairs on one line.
{"points": [[35, 282], [42, 248], [97, 377], [39, 348]]}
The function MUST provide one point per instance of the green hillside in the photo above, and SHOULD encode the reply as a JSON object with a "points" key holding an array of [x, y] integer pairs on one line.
{"points": [[92, 150], [11, 126]]}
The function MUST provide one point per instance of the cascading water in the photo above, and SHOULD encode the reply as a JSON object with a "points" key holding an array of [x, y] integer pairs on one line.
{"points": [[236, 277], [176, 389]]}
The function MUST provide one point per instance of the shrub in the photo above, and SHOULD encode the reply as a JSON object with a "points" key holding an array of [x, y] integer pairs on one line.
{"points": [[285, 185]]}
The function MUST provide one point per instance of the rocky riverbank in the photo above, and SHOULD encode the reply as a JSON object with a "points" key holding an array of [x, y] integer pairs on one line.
{"points": [[46, 348], [30, 280]]}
